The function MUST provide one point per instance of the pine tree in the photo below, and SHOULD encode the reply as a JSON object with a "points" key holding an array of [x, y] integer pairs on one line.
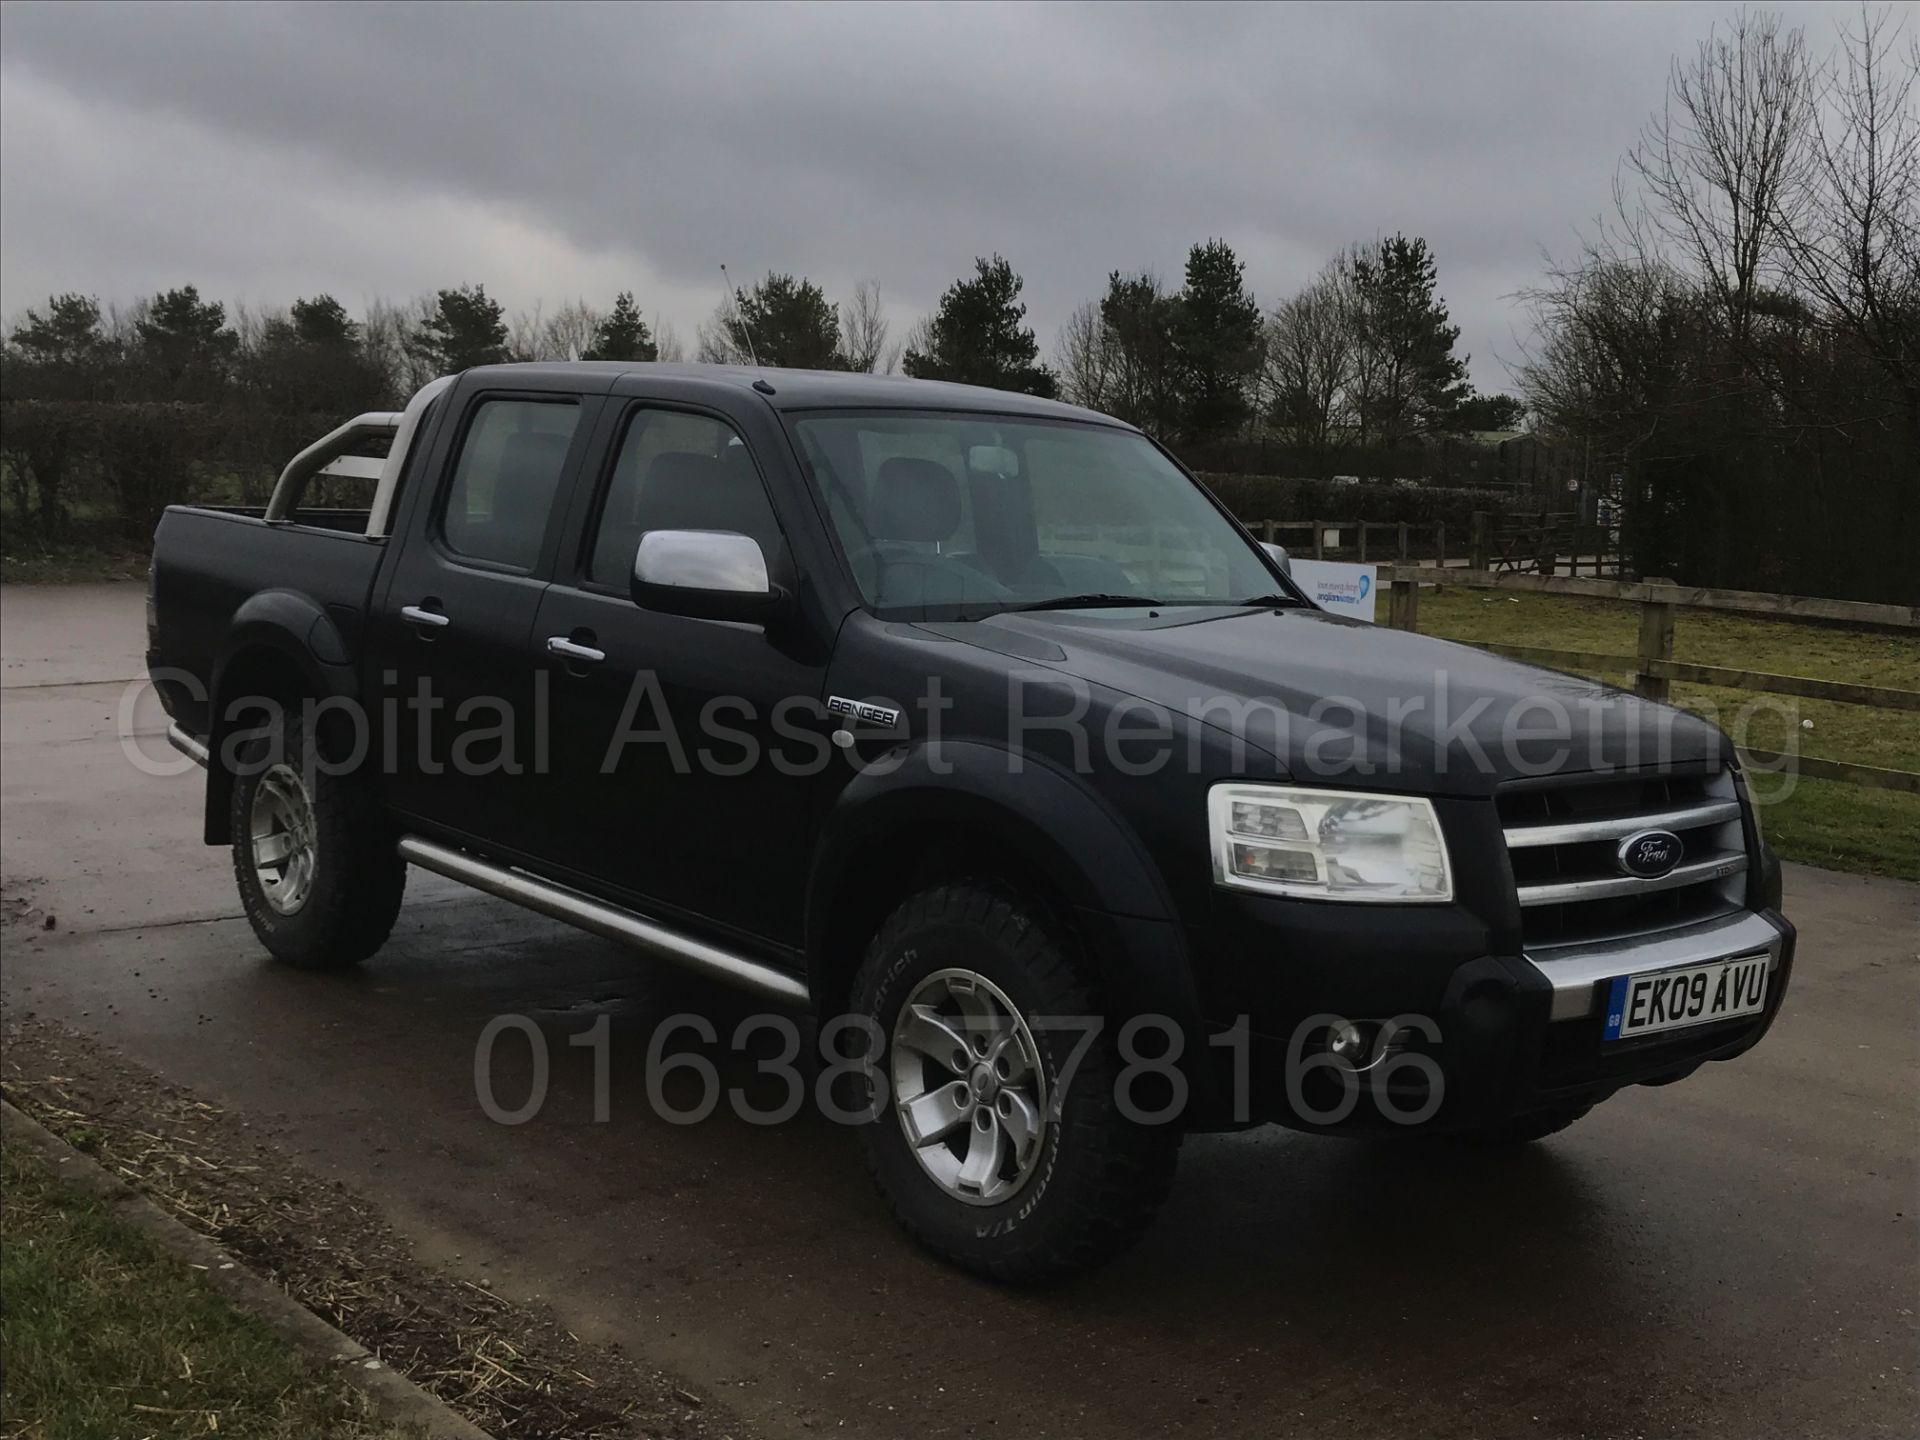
{"points": [[622, 334], [785, 322], [1217, 338], [1141, 320], [976, 336], [68, 335], [60, 356], [312, 359], [323, 321], [1490, 412], [465, 329], [185, 345], [1410, 381]]}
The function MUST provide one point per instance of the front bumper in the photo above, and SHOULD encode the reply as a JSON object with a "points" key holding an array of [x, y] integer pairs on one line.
{"points": [[1578, 973], [1500, 1036]]}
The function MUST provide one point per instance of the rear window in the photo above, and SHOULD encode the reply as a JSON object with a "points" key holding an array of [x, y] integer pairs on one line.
{"points": [[501, 498]]}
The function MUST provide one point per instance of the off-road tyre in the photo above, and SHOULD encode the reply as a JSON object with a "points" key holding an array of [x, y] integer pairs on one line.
{"points": [[352, 895], [1098, 1177]]}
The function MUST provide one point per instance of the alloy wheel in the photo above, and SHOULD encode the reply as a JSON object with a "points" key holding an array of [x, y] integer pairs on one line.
{"points": [[968, 1087]]}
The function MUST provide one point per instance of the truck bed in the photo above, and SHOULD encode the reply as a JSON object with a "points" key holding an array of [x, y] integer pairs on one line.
{"points": [[209, 562], [345, 519]]}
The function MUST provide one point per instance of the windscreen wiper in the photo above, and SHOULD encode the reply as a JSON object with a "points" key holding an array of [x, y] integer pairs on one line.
{"points": [[1083, 602], [1274, 599]]}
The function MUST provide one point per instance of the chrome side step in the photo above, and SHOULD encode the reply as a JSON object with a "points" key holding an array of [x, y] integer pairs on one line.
{"points": [[187, 745], [608, 920]]}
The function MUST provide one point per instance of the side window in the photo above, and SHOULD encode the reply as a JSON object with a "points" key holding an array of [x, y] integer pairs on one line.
{"points": [[508, 473], [677, 472]]}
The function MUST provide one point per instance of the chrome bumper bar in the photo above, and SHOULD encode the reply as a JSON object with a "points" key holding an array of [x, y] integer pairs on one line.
{"points": [[1575, 970]]}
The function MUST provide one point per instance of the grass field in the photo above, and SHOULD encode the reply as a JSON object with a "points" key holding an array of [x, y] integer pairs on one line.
{"points": [[104, 1334], [33, 562], [1821, 822], [95, 547]]}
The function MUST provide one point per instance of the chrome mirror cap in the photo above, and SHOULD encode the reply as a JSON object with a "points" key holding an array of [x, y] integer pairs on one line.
{"points": [[713, 560], [1279, 555], [711, 574]]}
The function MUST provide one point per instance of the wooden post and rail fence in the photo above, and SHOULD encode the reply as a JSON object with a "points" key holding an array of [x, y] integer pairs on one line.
{"points": [[1654, 669], [1494, 542]]}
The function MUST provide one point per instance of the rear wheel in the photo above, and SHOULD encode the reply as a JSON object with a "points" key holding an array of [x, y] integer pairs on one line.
{"points": [[992, 1152], [313, 856]]}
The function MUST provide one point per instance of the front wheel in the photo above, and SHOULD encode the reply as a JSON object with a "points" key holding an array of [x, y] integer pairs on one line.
{"points": [[995, 1148], [314, 859]]}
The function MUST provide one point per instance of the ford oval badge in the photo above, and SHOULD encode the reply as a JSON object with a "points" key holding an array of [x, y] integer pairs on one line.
{"points": [[1649, 854]]}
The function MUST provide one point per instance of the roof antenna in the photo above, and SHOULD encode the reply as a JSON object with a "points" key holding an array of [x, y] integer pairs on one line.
{"points": [[734, 296]]}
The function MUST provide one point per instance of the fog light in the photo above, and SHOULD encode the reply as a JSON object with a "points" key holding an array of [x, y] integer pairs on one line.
{"points": [[1347, 1040]]}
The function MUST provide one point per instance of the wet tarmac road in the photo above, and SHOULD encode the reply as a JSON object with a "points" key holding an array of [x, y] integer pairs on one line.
{"points": [[1734, 1255]]}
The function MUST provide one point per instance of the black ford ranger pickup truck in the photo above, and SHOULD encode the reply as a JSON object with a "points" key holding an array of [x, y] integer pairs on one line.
{"points": [[973, 725]]}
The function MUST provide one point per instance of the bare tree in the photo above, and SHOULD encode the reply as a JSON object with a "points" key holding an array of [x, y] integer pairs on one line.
{"points": [[1312, 352], [121, 323], [667, 342], [387, 335], [863, 330], [383, 340], [1742, 344], [1851, 230], [713, 340], [1084, 358], [1605, 362], [249, 324], [523, 334], [919, 339], [1724, 164], [568, 333]]}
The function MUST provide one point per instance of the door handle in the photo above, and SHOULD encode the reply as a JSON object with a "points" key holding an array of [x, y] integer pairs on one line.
{"points": [[432, 618], [577, 654]]}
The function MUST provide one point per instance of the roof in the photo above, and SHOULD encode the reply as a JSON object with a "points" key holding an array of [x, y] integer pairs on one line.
{"points": [[823, 389]]}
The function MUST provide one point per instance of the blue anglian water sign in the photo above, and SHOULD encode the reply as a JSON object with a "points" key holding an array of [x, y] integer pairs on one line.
{"points": [[1338, 588]]}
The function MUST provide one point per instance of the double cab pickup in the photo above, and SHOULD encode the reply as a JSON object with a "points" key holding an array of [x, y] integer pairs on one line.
{"points": [[974, 735]]}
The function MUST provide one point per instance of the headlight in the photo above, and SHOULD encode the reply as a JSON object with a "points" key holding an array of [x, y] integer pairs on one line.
{"points": [[1328, 844]]}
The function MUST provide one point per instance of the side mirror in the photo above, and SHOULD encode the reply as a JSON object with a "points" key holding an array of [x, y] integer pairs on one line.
{"points": [[1278, 554], [708, 574]]}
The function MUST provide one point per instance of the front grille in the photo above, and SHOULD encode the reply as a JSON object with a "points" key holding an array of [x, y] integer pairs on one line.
{"points": [[1562, 837]]}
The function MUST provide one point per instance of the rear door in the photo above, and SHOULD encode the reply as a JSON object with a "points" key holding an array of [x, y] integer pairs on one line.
{"points": [[689, 756], [462, 720]]}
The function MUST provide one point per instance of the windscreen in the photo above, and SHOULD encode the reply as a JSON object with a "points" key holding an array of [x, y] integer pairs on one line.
{"points": [[944, 515]]}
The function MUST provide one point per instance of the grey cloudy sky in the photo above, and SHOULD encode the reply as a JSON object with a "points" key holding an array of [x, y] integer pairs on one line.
{"points": [[266, 152]]}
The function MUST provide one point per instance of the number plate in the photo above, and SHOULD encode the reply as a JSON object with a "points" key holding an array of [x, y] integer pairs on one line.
{"points": [[1674, 999]]}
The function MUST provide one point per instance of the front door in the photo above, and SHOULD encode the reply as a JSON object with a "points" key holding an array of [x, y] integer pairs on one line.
{"points": [[462, 722], [687, 752]]}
